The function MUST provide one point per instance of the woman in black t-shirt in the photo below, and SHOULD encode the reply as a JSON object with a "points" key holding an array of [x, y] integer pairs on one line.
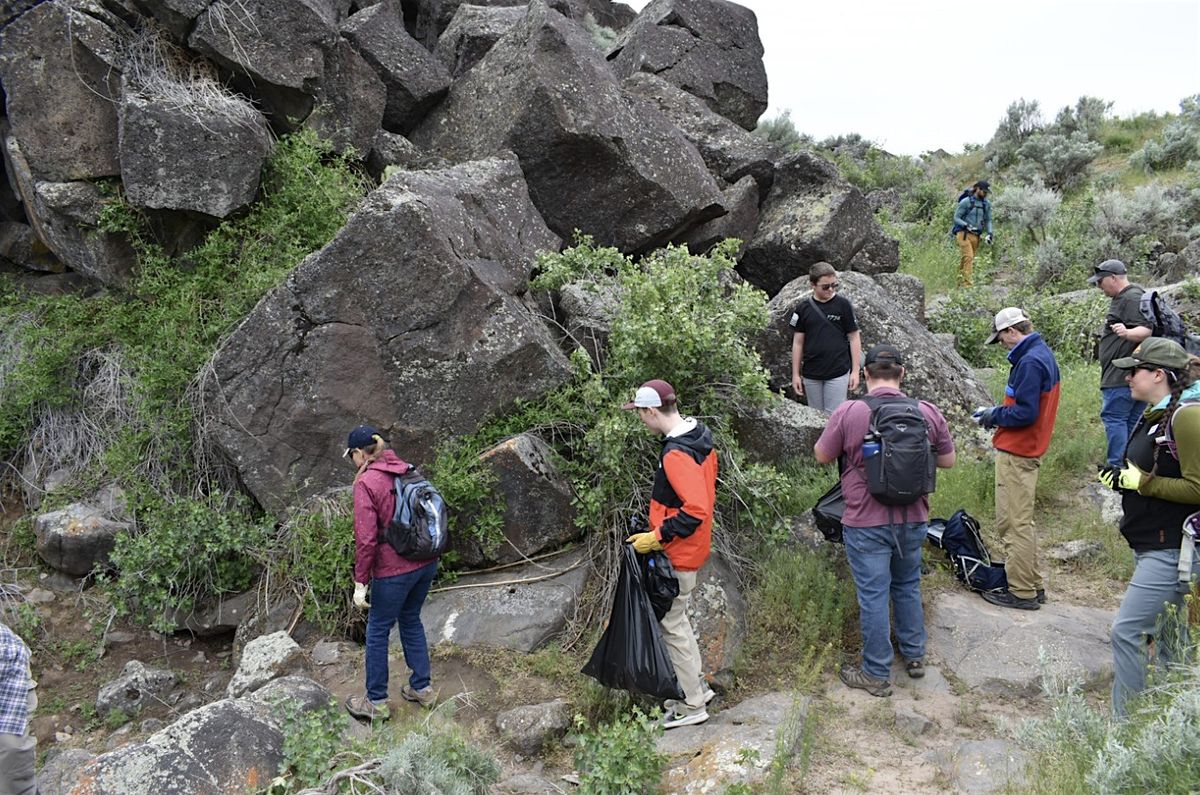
{"points": [[826, 341]]}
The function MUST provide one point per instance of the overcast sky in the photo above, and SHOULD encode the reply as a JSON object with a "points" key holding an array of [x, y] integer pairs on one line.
{"points": [[915, 76]]}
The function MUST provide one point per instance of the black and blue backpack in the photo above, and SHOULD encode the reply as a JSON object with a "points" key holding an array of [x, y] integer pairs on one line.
{"points": [[420, 526], [959, 537]]}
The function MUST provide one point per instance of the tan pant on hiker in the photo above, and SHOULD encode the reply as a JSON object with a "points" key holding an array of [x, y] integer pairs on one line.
{"points": [[681, 642], [1016, 484], [968, 243]]}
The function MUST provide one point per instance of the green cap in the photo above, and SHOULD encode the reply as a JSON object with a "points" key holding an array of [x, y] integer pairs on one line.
{"points": [[1158, 351]]}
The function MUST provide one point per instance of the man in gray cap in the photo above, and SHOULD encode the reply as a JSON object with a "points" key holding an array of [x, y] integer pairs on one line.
{"points": [[1124, 328]]}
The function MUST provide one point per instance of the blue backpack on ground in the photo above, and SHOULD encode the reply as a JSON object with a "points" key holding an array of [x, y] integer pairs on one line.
{"points": [[420, 527], [973, 566]]}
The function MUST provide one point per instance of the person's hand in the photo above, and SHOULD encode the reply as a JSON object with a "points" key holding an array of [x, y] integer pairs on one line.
{"points": [[988, 238], [1120, 329], [798, 385], [1128, 478], [982, 416], [645, 543], [853, 379], [360, 596]]}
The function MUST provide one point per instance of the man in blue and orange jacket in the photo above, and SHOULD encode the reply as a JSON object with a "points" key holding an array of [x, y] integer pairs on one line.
{"points": [[1023, 423], [682, 502]]}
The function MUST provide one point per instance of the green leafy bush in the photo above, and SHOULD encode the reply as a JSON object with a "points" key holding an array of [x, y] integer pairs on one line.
{"points": [[312, 741], [621, 757], [313, 552]]}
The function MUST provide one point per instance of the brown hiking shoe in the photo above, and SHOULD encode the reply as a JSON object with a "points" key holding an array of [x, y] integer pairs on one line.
{"points": [[425, 696], [365, 709], [855, 677]]}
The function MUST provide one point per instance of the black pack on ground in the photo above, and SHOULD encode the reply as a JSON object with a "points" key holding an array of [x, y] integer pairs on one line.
{"points": [[662, 586], [631, 654], [420, 526], [959, 536], [905, 468], [828, 513]]}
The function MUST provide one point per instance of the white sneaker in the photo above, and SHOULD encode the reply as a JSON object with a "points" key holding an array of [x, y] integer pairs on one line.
{"points": [[673, 719], [673, 705]]}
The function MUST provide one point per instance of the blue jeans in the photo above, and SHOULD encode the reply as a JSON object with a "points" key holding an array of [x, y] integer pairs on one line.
{"points": [[1120, 413], [886, 561], [398, 599], [1154, 586]]}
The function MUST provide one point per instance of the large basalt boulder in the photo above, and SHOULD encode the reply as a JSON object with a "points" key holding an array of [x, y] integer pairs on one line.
{"points": [[429, 20], [407, 320], [740, 222], [76, 539], [228, 746], [190, 154], [176, 16], [906, 290], [933, 370], [280, 47], [60, 67], [812, 215], [780, 432], [585, 312], [413, 77], [538, 514], [729, 151], [350, 101], [472, 32], [709, 48], [393, 149], [19, 245], [595, 159], [139, 686], [508, 613]]}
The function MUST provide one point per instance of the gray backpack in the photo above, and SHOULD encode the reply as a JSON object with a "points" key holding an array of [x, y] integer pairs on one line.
{"points": [[905, 468]]}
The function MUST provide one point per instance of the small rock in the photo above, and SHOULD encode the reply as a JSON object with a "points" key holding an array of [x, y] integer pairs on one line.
{"points": [[138, 686], [150, 725], [912, 723], [60, 582], [527, 729], [326, 652], [117, 636], [264, 659], [979, 767], [40, 596], [1075, 550], [200, 657], [62, 737]]}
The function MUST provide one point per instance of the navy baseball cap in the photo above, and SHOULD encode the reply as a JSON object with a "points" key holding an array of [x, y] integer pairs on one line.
{"points": [[360, 437]]}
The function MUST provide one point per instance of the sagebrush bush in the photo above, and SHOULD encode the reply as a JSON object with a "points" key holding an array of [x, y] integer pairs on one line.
{"points": [[436, 759], [1063, 160], [1179, 143], [1030, 207], [1149, 210], [781, 130]]}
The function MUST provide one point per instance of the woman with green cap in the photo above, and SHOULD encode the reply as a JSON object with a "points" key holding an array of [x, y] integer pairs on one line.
{"points": [[1160, 493]]}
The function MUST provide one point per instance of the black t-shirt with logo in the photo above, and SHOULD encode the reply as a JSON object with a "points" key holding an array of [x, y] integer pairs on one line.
{"points": [[825, 327]]}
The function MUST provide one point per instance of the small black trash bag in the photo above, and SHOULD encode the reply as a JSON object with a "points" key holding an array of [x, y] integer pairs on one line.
{"points": [[828, 512], [662, 586], [631, 654]]}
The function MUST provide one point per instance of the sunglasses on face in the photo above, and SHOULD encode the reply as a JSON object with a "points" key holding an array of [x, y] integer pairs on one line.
{"points": [[830, 286]]}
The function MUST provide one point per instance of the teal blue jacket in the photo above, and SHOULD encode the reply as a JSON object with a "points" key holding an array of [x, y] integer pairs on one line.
{"points": [[973, 212]]}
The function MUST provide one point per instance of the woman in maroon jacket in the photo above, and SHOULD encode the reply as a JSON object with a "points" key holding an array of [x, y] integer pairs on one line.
{"points": [[398, 585]]}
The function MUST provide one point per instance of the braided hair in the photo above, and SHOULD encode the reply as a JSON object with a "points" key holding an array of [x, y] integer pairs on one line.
{"points": [[1180, 380]]}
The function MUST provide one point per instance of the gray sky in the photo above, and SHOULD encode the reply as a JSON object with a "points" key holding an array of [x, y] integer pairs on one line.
{"points": [[915, 76]]}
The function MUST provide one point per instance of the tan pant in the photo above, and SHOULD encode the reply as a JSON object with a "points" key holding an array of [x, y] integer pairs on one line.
{"points": [[681, 642], [18, 759], [968, 243], [1016, 485]]}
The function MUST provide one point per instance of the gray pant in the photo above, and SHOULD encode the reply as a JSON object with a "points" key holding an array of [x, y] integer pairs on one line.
{"points": [[1142, 614], [18, 759], [826, 395]]}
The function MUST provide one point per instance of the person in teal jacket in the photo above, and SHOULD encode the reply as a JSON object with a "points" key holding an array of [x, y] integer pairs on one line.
{"points": [[972, 223]]}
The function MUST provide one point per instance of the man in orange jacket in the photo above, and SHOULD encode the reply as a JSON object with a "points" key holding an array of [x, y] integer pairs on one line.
{"points": [[681, 516]]}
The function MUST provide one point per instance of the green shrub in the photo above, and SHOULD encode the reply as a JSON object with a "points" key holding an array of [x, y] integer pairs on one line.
{"points": [[312, 741], [922, 203], [621, 757], [781, 130], [1062, 159], [313, 551], [880, 170]]}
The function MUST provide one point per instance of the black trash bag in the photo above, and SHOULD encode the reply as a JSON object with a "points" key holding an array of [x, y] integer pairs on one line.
{"points": [[828, 513], [662, 586], [631, 654]]}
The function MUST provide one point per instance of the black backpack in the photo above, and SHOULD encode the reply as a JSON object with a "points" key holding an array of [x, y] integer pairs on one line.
{"points": [[420, 526], [1165, 322], [959, 536], [905, 468]]}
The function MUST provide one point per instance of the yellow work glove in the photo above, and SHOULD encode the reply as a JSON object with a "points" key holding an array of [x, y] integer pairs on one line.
{"points": [[1127, 479], [360, 596], [644, 543]]}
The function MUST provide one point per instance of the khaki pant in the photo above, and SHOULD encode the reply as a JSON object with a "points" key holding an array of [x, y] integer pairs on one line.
{"points": [[681, 642], [18, 759], [968, 243], [1016, 485]]}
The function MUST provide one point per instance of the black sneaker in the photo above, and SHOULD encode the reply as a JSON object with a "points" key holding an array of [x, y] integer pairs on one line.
{"points": [[1041, 596], [1009, 599]]}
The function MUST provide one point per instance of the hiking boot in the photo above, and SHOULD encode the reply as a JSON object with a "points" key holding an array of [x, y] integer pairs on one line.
{"points": [[860, 679], [671, 705], [1010, 599], [682, 716], [365, 709], [425, 696], [1041, 596], [915, 668]]}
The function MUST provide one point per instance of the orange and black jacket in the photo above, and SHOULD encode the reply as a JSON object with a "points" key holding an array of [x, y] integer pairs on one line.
{"points": [[684, 496]]}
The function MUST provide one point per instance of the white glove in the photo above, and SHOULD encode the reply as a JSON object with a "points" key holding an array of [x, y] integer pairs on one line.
{"points": [[360, 596]]}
